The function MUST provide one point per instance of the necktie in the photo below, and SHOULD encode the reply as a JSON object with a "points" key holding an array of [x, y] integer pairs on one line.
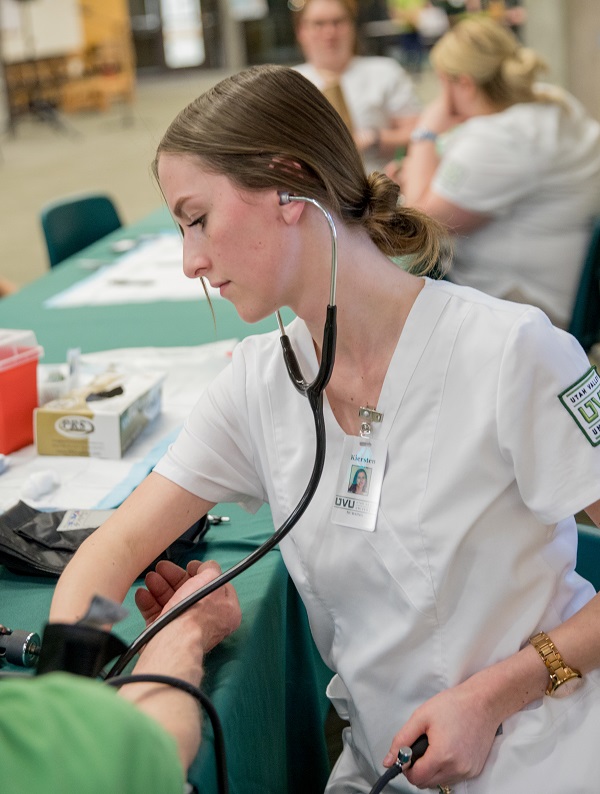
{"points": [[333, 92]]}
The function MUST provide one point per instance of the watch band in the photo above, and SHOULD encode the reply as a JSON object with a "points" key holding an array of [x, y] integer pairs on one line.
{"points": [[423, 134], [559, 671]]}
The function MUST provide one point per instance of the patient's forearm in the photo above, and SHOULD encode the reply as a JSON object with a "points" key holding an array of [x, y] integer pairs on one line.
{"points": [[176, 651]]}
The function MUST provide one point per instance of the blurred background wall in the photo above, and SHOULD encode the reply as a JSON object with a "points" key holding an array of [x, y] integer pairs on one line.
{"points": [[140, 37], [87, 87], [567, 33]]}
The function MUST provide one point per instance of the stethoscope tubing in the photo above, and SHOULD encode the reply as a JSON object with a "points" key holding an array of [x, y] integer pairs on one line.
{"points": [[314, 393], [252, 558]]}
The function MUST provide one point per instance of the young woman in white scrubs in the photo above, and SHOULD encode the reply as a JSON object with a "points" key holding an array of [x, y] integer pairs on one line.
{"points": [[510, 165], [423, 594]]}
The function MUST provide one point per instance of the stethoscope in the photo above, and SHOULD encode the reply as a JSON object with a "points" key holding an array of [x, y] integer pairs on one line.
{"points": [[314, 393]]}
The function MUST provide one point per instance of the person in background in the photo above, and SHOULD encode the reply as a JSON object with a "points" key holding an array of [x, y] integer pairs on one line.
{"points": [[63, 734], [516, 178], [374, 96]]}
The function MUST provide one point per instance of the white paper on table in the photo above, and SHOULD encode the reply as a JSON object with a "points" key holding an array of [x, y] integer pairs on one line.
{"points": [[85, 481], [152, 271]]}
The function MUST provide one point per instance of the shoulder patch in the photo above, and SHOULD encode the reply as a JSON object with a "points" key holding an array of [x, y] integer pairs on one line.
{"points": [[582, 401]]}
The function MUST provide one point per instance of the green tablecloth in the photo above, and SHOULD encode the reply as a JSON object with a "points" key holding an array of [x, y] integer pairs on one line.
{"points": [[266, 681], [92, 328]]}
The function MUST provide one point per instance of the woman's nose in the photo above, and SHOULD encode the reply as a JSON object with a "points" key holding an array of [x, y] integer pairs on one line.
{"points": [[195, 262]]}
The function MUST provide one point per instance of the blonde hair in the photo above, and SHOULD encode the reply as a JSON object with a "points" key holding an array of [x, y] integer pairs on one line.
{"points": [[503, 69], [268, 127]]}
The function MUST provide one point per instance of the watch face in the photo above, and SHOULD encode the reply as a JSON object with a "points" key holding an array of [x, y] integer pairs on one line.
{"points": [[567, 687]]}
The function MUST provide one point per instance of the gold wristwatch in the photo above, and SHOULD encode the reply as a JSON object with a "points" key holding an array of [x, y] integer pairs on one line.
{"points": [[559, 672]]}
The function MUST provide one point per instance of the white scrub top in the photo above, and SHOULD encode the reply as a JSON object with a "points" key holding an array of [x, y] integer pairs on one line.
{"points": [[534, 168], [474, 547]]}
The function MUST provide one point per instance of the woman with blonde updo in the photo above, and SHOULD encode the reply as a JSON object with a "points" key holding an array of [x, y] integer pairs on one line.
{"points": [[517, 180], [421, 593]]}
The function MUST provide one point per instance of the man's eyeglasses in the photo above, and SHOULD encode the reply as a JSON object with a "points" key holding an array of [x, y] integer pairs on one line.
{"points": [[320, 24]]}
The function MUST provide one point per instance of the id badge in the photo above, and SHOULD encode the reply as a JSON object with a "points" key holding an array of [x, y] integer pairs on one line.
{"points": [[359, 484]]}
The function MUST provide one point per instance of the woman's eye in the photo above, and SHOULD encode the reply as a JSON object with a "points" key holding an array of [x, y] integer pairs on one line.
{"points": [[198, 222]]}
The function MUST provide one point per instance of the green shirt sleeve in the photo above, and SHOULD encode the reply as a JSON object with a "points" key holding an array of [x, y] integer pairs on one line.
{"points": [[64, 734]]}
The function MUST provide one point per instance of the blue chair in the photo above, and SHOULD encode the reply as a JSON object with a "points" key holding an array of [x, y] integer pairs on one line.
{"points": [[585, 321], [588, 554], [72, 223]]}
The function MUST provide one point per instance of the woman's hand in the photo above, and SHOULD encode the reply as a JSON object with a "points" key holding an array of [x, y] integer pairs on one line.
{"points": [[439, 115], [460, 726]]}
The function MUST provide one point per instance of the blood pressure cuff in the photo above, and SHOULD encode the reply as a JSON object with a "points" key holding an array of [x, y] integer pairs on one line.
{"points": [[35, 543]]}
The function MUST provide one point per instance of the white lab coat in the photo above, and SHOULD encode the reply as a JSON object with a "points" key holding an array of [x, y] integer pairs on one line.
{"points": [[474, 549]]}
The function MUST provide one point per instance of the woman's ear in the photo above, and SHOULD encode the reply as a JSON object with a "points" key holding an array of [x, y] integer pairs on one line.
{"points": [[291, 211], [467, 83]]}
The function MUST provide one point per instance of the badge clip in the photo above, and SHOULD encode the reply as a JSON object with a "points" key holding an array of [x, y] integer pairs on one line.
{"points": [[368, 416]]}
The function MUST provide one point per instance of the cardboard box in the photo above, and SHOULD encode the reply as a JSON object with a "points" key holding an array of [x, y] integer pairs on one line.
{"points": [[19, 354], [100, 419]]}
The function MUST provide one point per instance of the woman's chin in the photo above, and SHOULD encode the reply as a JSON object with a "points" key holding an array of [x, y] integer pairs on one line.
{"points": [[251, 314]]}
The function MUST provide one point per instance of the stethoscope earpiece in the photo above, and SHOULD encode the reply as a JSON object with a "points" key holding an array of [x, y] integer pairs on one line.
{"points": [[284, 197]]}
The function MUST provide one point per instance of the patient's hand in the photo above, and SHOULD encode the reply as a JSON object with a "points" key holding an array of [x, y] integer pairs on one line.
{"points": [[218, 614]]}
